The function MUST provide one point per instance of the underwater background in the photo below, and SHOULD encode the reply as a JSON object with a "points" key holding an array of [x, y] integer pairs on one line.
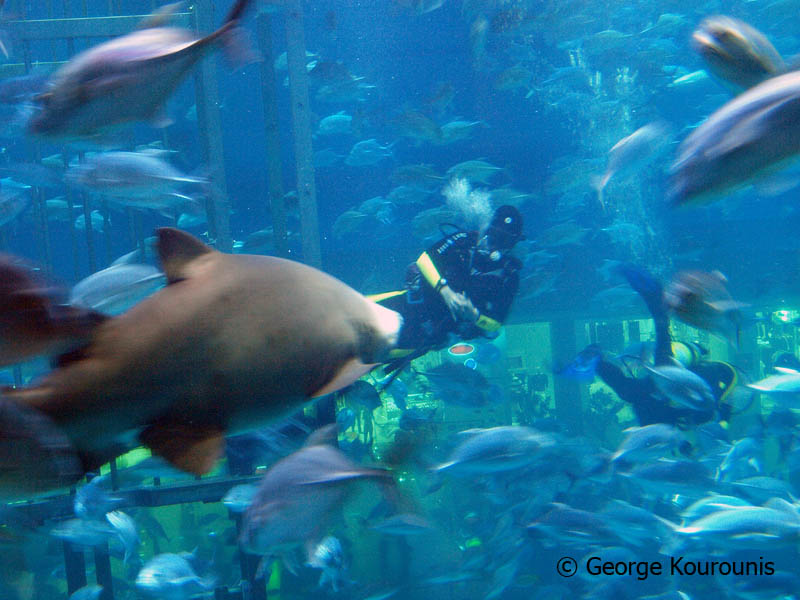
{"points": [[431, 112]]}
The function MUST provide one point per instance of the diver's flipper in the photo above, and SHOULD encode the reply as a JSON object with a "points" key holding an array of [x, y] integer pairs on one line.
{"points": [[190, 447], [35, 455], [647, 286]]}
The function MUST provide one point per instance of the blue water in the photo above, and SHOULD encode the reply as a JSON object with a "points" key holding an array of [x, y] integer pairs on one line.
{"points": [[590, 74]]}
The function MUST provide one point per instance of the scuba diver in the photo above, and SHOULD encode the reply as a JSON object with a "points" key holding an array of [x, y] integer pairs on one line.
{"points": [[461, 286], [642, 393]]}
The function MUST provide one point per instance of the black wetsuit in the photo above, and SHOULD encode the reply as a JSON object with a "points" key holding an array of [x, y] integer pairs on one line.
{"points": [[644, 397], [490, 285]]}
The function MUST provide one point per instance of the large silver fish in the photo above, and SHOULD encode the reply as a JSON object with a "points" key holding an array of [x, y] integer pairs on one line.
{"points": [[233, 342], [297, 498], [736, 52], [755, 133], [138, 179], [125, 79]]}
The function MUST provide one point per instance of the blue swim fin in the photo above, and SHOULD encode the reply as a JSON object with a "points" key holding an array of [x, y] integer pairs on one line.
{"points": [[647, 286]]}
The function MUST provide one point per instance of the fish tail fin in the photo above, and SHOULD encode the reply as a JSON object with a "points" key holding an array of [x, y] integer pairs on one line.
{"points": [[237, 10], [35, 454], [238, 48], [599, 184]]}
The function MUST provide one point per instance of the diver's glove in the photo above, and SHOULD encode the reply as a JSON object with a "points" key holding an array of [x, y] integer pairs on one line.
{"points": [[460, 307]]}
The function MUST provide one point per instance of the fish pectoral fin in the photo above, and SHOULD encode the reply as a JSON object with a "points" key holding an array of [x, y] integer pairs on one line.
{"points": [[189, 447], [345, 376]]}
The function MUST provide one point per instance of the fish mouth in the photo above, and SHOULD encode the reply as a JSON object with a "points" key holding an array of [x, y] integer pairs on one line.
{"points": [[707, 44]]}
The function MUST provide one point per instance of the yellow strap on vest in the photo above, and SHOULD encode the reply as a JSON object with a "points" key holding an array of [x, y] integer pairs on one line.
{"points": [[385, 295], [428, 269]]}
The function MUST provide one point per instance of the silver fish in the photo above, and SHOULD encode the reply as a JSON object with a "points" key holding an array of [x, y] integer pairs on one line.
{"points": [[117, 288], [124, 80], [497, 449], [682, 387], [138, 179], [240, 497], [634, 150], [648, 442], [297, 496], [87, 592], [736, 52], [171, 577], [752, 135], [781, 383], [367, 152]]}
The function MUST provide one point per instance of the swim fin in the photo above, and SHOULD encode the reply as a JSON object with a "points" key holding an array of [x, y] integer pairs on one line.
{"points": [[647, 286]]}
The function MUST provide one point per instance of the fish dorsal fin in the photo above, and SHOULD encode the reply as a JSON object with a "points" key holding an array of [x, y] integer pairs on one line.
{"points": [[192, 448], [176, 249], [161, 16]]}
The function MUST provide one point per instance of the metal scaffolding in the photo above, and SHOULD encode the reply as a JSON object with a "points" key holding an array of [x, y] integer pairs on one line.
{"points": [[72, 30]]}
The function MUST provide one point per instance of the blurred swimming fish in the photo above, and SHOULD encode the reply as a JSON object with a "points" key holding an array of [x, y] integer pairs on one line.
{"points": [[750, 136], [96, 219], [420, 7], [87, 592], [328, 556], [746, 526], [474, 171], [682, 387], [126, 530], [336, 124], [117, 288], [632, 151], [138, 179], [135, 372], [648, 442], [787, 382], [367, 152], [125, 79], [171, 577], [497, 449], [701, 300], [459, 385], [298, 495], [92, 501], [84, 532], [736, 52], [240, 497], [404, 524]]}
